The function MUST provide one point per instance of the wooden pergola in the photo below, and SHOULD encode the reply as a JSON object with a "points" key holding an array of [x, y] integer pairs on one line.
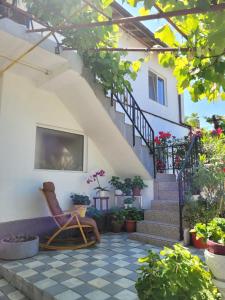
{"points": [[123, 23]]}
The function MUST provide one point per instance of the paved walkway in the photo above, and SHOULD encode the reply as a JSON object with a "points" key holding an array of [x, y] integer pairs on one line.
{"points": [[106, 271]]}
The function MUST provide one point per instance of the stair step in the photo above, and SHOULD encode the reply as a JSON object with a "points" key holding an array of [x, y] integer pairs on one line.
{"points": [[152, 239], [167, 205], [159, 229], [167, 186], [162, 177], [168, 195], [162, 216], [7, 291]]}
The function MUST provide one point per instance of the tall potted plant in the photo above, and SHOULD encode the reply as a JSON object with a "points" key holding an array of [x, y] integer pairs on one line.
{"points": [[80, 203], [137, 185], [117, 220], [101, 191]]}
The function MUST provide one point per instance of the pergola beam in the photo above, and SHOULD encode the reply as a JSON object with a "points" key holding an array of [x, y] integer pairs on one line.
{"points": [[152, 49], [160, 15]]}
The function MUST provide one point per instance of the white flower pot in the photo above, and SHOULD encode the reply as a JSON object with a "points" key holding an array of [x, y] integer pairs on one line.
{"points": [[118, 193], [103, 194], [216, 264]]}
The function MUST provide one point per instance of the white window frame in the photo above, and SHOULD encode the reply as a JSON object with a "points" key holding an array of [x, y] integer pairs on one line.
{"points": [[85, 149], [165, 87]]}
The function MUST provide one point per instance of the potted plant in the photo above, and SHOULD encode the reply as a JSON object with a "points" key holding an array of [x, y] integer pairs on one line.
{"points": [[127, 187], [101, 191], [198, 236], [128, 202], [80, 203], [132, 215], [137, 185], [19, 247], [98, 216], [214, 233], [174, 274], [117, 184], [117, 220]]}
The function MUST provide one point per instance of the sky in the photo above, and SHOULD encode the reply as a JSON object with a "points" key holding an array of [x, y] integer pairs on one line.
{"points": [[203, 107]]}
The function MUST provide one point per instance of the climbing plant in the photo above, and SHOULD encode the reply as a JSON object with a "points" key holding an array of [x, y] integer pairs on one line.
{"points": [[200, 69]]}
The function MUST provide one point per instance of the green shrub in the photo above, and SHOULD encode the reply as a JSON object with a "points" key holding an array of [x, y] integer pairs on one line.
{"points": [[175, 275]]}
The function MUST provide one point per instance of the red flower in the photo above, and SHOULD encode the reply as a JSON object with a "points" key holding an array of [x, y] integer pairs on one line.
{"points": [[224, 170], [219, 131], [157, 141]]}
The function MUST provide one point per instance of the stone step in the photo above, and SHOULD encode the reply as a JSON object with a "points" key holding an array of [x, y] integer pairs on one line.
{"points": [[167, 186], [159, 229], [162, 177], [9, 292], [167, 205], [152, 239], [168, 195], [162, 216]]}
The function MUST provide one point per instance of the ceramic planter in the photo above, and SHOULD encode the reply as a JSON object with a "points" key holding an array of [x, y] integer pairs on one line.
{"points": [[136, 191], [116, 227], [131, 225], [81, 209], [10, 250], [215, 248], [118, 193], [216, 264], [199, 244], [103, 194], [126, 206]]}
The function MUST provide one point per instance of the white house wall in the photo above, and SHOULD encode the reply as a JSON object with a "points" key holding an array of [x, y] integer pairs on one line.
{"points": [[23, 106]]}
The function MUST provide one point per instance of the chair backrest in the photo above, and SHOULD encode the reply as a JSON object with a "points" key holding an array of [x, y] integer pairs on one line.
{"points": [[53, 204]]}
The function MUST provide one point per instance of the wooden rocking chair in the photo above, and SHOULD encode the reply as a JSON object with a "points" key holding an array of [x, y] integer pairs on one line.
{"points": [[66, 221]]}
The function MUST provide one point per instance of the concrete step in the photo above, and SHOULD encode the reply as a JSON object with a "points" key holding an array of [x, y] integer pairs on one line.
{"points": [[159, 229], [162, 177], [9, 292], [162, 216], [167, 186], [152, 239], [167, 205], [168, 195]]}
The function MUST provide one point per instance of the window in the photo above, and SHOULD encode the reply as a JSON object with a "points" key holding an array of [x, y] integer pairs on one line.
{"points": [[156, 88], [58, 150]]}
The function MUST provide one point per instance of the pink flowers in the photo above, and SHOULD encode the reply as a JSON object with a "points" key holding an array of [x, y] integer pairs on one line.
{"points": [[218, 131], [163, 137], [95, 178]]}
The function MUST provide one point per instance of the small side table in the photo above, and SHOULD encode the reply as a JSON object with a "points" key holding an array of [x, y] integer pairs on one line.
{"points": [[101, 201]]}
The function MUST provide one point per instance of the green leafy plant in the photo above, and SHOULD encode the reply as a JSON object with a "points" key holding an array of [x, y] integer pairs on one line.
{"points": [[133, 214], [116, 183], [128, 200], [118, 216], [138, 182], [173, 275], [127, 186], [80, 199]]}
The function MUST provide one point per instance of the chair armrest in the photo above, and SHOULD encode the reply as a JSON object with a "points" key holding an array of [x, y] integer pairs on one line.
{"points": [[66, 213]]}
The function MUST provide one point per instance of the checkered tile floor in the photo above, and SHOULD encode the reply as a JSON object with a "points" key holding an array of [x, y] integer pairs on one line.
{"points": [[106, 271]]}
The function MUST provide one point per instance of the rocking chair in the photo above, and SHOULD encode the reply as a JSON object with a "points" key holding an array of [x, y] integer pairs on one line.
{"points": [[66, 221]]}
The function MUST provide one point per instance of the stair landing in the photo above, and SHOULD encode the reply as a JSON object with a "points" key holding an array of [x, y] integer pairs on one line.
{"points": [[160, 226]]}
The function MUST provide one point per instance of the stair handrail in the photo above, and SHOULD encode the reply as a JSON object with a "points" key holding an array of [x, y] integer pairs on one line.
{"points": [[137, 118], [190, 155]]}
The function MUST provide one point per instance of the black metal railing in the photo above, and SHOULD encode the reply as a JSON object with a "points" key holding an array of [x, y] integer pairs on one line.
{"points": [[138, 120], [185, 175]]}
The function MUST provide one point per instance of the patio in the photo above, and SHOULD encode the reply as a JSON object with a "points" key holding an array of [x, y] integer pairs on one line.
{"points": [[106, 271]]}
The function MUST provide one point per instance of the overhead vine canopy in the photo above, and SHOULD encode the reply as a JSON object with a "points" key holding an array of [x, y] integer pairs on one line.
{"points": [[200, 68]]}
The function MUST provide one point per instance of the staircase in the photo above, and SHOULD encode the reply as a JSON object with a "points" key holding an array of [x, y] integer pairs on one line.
{"points": [[161, 223]]}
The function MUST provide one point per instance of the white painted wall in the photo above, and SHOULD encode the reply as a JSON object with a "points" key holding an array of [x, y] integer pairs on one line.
{"points": [[141, 90], [22, 107]]}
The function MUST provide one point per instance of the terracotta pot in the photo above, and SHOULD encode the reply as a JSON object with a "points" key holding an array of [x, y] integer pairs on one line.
{"points": [[215, 248], [131, 225], [116, 227], [199, 244], [136, 191]]}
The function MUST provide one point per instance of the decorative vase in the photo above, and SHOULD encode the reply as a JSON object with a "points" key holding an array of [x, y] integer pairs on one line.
{"points": [[198, 243], [131, 225], [118, 193], [13, 250], [216, 264], [81, 209], [136, 191]]}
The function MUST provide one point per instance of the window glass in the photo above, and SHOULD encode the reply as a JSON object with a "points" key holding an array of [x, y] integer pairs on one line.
{"points": [[152, 86], [161, 91], [58, 150]]}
